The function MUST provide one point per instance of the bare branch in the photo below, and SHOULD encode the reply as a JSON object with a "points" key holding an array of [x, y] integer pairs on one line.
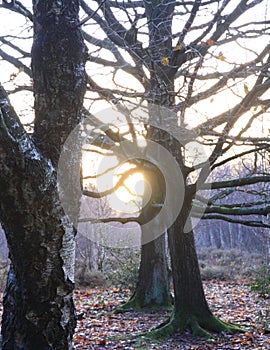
{"points": [[118, 184], [243, 181], [108, 220], [251, 223], [219, 209], [16, 62], [17, 7]]}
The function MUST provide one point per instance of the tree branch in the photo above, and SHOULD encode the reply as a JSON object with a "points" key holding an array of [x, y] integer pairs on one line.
{"points": [[108, 220], [250, 223], [244, 181], [219, 209]]}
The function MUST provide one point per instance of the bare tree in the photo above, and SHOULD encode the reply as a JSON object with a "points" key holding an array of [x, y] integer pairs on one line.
{"points": [[180, 54]]}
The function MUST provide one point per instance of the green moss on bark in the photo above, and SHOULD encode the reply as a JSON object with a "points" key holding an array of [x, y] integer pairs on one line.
{"points": [[199, 326], [136, 303]]}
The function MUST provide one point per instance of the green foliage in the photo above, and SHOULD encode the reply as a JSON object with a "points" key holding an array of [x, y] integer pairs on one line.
{"points": [[261, 282], [122, 267]]}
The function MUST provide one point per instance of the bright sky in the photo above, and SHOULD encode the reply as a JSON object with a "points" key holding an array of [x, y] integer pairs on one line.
{"points": [[14, 25]]}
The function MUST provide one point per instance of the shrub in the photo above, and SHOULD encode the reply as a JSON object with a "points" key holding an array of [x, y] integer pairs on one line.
{"points": [[261, 282], [213, 272], [122, 268], [89, 278]]}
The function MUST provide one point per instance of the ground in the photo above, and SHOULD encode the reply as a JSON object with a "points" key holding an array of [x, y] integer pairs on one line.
{"points": [[99, 329]]}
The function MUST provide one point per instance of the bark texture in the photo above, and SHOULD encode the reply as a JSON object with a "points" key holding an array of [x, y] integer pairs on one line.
{"points": [[190, 306], [153, 288], [38, 302], [58, 60]]}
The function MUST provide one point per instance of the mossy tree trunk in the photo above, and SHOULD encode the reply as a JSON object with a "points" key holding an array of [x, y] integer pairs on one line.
{"points": [[38, 302], [190, 306], [191, 309], [152, 289]]}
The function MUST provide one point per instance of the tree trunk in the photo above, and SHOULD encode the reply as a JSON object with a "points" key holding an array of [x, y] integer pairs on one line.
{"points": [[38, 306], [190, 306], [38, 302], [153, 282], [152, 289]]}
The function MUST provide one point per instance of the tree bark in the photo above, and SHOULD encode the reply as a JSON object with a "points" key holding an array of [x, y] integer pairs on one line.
{"points": [[39, 311], [153, 289], [190, 306]]}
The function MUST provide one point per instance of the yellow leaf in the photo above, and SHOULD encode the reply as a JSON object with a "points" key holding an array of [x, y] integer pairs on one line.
{"points": [[165, 61], [246, 89], [263, 108], [178, 47], [221, 57]]}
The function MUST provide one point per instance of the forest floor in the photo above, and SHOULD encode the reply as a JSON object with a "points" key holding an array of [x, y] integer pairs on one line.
{"points": [[98, 328], [231, 301]]}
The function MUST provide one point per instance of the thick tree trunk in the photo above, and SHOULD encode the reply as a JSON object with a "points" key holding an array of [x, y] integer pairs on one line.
{"points": [[38, 303], [152, 290], [190, 306], [58, 60], [153, 287], [153, 283]]}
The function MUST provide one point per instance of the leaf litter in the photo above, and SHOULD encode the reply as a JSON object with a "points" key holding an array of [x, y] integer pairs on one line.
{"points": [[98, 328]]}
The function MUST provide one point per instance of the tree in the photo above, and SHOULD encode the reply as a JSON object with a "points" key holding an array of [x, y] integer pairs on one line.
{"points": [[180, 57], [38, 304], [184, 54]]}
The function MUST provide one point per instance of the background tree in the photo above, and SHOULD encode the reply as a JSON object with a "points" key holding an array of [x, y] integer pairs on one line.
{"points": [[38, 303]]}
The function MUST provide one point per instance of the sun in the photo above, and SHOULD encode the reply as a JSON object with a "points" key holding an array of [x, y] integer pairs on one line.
{"points": [[127, 198]]}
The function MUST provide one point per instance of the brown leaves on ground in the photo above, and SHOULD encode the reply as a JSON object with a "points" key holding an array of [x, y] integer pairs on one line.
{"points": [[99, 329], [230, 301]]}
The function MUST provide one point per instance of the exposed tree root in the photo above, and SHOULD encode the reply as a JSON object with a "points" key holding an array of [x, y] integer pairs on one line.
{"points": [[135, 304], [201, 327]]}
